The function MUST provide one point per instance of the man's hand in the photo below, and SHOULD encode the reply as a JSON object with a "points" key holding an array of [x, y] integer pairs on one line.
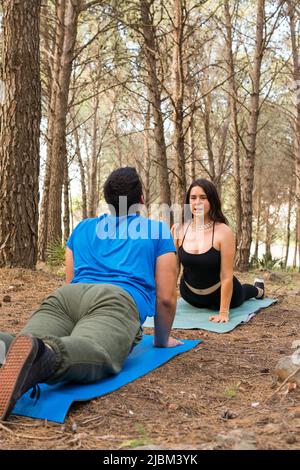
{"points": [[172, 343], [221, 318]]}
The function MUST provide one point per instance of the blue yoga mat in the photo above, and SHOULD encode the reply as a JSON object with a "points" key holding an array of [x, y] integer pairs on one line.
{"points": [[191, 318], [56, 400]]}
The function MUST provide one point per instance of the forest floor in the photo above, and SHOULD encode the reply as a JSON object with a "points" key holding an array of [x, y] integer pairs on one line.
{"points": [[202, 399]]}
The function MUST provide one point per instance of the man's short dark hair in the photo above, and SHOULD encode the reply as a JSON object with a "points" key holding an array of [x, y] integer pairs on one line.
{"points": [[123, 182]]}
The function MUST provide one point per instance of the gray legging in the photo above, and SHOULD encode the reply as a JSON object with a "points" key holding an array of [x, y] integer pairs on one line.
{"points": [[92, 328], [212, 301]]}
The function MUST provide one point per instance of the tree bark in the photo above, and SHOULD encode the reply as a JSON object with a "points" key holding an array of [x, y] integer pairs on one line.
{"points": [[151, 53], [51, 115], [81, 169], [192, 151], [178, 96], [296, 77], [296, 242], [20, 118], [268, 235], [66, 218], [234, 120], [147, 159], [93, 198], [288, 229], [259, 204], [243, 252], [59, 151]]}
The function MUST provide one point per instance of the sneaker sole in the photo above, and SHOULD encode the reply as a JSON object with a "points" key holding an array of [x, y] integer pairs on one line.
{"points": [[13, 373]]}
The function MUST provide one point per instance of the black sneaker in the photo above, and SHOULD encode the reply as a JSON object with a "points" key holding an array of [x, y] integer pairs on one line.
{"points": [[260, 284], [28, 362]]}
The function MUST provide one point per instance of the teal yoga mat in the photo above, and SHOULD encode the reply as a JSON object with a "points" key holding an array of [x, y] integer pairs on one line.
{"points": [[192, 318], [55, 400]]}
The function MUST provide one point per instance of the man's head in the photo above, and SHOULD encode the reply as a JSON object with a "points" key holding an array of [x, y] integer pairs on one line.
{"points": [[123, 182]]}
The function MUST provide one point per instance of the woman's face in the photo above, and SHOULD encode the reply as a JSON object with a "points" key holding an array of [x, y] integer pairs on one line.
{"points": [[198, 201]]}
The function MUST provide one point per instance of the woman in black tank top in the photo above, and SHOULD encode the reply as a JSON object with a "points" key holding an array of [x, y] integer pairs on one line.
{"points": [[206, 250]]}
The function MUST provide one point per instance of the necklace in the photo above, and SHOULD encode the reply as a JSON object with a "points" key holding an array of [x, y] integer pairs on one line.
{"points": [[202, 227]]}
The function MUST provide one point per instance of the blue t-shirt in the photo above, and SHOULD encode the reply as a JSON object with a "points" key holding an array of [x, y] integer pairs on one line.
{"points": [[121, 251]]}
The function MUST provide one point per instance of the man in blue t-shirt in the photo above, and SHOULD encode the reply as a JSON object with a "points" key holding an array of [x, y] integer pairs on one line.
{"points": [[120, 268]]}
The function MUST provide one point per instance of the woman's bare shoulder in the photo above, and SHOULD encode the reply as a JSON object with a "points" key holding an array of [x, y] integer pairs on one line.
{"points": [[224, 230]]}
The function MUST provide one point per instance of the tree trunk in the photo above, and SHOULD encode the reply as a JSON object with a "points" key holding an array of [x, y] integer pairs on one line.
{"points": [[288, 229], [296, 243], [243, 253], [258, 217], [178, 95], [59, 152], [66, 217], [51, 114], [234, 120], [82, 171], [151, 53], [20, 117], [210, 153], [268, 236], [192, 151], [147, 159], [296, 77], [93, 188]]}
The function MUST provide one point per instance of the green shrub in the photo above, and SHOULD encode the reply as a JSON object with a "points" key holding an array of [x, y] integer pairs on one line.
{"points": [[55, 254], [265, 262]]}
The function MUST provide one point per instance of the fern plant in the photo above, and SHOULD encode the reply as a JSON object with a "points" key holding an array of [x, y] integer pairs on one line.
{"points": [[55, 254]]}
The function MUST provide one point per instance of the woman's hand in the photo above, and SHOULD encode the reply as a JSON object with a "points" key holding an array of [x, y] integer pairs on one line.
{"points": [[220, 318]]}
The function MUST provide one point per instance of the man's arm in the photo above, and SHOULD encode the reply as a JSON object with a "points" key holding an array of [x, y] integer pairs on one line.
{"points": [[165, 279], [69, 265]]}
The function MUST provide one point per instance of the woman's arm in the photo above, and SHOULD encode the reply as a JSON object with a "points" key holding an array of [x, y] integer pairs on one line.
{"points": [[226, 275]]}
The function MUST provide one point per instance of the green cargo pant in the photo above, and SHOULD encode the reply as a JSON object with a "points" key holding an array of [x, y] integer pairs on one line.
{"points": [[91, 327]]}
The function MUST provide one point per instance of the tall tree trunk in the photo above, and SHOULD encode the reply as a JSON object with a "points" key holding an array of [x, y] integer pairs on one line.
{"points": [[296, 77], [288, 229], [178, 95], [151, 53], [66, 217], [243, 253], [234, 120], [147, 159], [59, 152], [268, 235], [209, 144], [82, 171], [192, 151], [296, 242], [259, 205], [94, 168], [20, 117], [51, 116]]}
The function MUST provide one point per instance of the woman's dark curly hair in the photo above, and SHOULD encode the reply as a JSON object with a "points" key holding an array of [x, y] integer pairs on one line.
{"points": [[215, 212], [123, 182]]}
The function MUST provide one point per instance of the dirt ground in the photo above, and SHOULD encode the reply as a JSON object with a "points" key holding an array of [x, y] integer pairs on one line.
{"points": [[202, 399]]}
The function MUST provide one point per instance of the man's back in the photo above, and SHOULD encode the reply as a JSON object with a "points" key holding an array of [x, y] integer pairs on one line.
{"points": [[121, 251]]}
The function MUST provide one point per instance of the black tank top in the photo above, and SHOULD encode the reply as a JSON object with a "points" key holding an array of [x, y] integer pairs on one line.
{"points": [[203, 270]]}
